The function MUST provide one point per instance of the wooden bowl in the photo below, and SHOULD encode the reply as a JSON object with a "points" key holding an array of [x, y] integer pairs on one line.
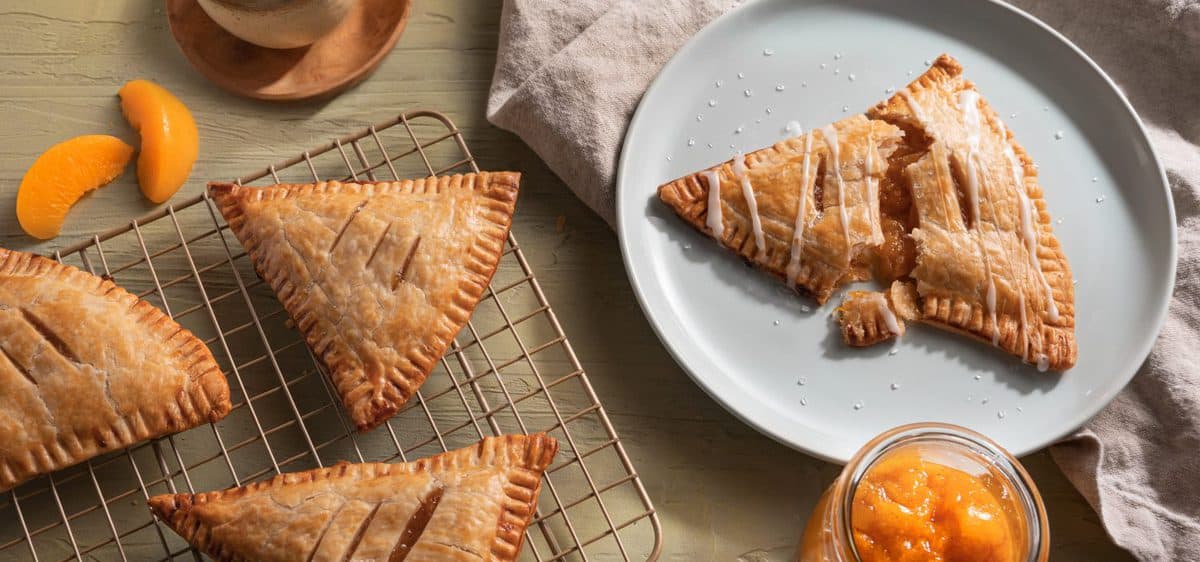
{"points": [[335, 62]]}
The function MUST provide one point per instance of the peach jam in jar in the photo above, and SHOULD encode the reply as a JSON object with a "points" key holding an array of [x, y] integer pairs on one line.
{"points": [[929, 492]]}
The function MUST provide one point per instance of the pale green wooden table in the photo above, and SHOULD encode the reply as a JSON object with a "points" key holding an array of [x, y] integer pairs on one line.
{"points": [[723, 491]]}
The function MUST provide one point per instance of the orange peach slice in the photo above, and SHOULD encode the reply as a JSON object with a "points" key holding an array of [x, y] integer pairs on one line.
{"points": [[62, 175], [170, 142]]}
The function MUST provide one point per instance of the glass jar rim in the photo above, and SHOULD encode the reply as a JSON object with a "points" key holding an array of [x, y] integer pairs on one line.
{"points": [[1029, 499]]}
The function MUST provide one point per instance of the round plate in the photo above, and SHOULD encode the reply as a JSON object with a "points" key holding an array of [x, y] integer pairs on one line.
{"points": [[335, 62], [775, 359]]}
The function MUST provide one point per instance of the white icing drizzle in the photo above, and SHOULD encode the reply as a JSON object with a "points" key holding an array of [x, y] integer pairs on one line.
{"points": [[1024, 329], [714, 221], [912, 103], [831, 140], [1028, 233], [739, 170], [991, 304], [872, 190], [793, 267], [968, 103], [1043, 362], [889, 317]]}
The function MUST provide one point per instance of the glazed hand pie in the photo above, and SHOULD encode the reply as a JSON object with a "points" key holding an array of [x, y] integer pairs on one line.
{"points": [[927, 193], [378, 277], [87, 368], [806, 210], [469, 504], [987, 264]]}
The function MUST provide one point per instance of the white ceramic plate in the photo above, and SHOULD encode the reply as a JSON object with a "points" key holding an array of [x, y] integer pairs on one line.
{"points": [[757, 349]]}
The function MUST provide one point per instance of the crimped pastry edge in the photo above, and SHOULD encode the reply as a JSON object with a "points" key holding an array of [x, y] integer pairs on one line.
{"points": [[500, 189], [525, 456], [204, 397]]}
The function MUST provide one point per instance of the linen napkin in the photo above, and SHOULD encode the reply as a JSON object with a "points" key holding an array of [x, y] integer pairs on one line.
{"points": [[570, 74]]}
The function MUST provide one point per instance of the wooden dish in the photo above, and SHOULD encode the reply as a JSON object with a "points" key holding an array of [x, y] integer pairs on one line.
{"points": [[335, 62]]}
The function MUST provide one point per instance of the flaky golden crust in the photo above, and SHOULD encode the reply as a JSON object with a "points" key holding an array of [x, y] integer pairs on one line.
{"points": [[864, 319], [378, 277], [775, 174], [471, 504], [88, 368], [952, 274]]}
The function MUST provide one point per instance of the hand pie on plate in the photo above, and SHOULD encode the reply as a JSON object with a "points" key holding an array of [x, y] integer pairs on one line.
{"points": [[805, 210], [928, 190], [987, 262]]}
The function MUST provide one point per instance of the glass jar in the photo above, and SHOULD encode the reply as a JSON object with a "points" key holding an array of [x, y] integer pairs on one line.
{"points": [[972, 477]]}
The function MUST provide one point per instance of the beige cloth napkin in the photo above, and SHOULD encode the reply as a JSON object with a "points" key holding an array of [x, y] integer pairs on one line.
{"points": [[570, 74]]}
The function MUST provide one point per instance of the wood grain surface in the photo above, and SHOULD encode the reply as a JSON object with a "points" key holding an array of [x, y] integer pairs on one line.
{"points": [[723, 491]]}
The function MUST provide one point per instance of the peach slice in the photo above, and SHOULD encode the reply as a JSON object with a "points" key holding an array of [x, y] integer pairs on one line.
{"points": [[62, 175], [170, 142]]}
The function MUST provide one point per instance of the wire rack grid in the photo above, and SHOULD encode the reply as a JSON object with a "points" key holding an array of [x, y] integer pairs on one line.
{"points": [[510, 370]]}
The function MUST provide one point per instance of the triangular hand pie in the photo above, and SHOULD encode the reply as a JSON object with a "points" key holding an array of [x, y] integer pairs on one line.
{"points": [[988, 264], [804, 209], [86, 368], [379, 277], [929, 190], [468, 504]]}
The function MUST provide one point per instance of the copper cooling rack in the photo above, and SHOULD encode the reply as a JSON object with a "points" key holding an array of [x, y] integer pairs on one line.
{"points": [[510, 370]]}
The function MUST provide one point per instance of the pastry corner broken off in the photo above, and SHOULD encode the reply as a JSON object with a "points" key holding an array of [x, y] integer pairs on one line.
{"points": [[870, 317]]}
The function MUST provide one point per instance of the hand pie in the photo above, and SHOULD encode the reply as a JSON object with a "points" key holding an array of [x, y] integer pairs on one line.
{"points": [[469, 504], [987, 262], [378, 277], [928, 190], [805, 210], [87, 368]]}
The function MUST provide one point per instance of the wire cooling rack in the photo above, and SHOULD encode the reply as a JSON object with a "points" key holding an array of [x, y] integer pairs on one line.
{"points": [[510, 370]]}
